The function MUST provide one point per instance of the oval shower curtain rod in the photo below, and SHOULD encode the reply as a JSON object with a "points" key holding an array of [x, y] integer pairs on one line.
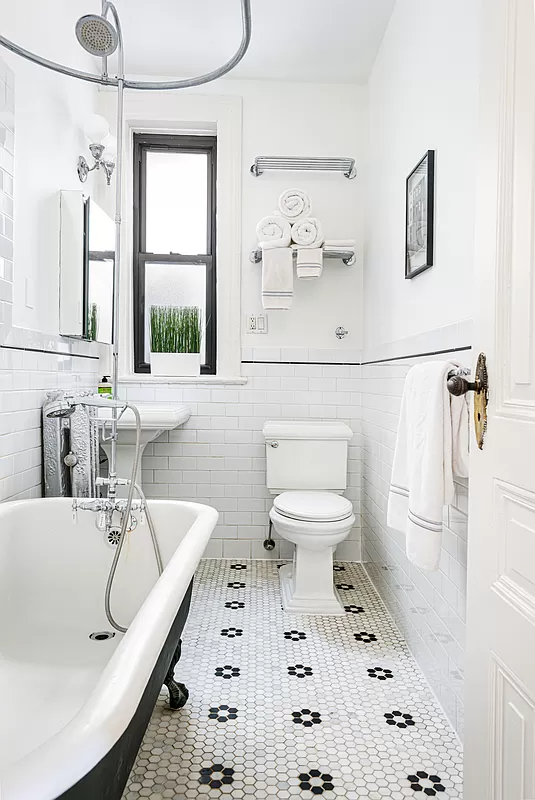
{"points": [[106, 80]]}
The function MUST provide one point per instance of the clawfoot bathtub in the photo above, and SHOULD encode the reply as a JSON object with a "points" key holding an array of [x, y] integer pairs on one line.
{"points": [[73, 709]]}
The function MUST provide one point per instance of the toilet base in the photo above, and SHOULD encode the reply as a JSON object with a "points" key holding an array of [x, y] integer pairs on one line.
{"points": [[323, 601]]}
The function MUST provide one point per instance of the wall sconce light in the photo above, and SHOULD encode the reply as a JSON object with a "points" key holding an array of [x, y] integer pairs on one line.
{"points": [[102, 146]]}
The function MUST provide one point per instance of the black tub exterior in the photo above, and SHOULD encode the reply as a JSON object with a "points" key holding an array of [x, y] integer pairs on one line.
{"points": [[107, 779]]}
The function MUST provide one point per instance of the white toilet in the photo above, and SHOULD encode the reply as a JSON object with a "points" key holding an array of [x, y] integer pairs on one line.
{"points": [[307, 470]]}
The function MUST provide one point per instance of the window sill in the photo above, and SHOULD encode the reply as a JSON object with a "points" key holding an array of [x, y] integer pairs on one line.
{"points": [[207, 379]]}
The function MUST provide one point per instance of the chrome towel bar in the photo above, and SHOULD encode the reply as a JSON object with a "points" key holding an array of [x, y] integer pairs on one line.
{"points": [[292, 163], [347, 256]]}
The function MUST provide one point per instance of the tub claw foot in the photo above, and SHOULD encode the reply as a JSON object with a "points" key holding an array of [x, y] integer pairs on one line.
{"points": [[178, 693]]}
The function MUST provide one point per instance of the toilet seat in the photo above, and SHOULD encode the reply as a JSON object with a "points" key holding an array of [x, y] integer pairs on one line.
{"points": [[313, 506]]}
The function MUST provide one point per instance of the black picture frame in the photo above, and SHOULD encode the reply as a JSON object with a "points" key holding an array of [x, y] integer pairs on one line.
{"points": [[420, 216]]}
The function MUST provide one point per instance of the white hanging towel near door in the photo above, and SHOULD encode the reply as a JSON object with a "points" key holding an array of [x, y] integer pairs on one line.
{"points": [[431, 438]]}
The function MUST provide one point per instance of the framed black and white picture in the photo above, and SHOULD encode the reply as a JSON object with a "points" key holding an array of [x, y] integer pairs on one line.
{"points": [[420, 216]]}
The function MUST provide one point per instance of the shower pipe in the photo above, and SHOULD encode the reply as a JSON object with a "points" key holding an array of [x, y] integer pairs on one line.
{"points": [[123, 83], [107, 80]]}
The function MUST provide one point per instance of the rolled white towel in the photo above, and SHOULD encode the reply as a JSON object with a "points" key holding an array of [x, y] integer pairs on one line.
{"points": [[294, 203], [307, 232], [274, 231]]}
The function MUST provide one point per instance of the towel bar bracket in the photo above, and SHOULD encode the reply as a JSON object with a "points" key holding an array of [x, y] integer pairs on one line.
{"points": [[459, 385]]}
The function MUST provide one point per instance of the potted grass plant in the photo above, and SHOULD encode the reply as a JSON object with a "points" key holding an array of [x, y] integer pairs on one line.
{"points": [[92, 322], [175, 340]]}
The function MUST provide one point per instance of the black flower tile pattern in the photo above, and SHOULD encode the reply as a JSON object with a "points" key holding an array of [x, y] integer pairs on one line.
{"points": [[400, 720], [238, 566], [316, 781], [295, 636], [380, 673], [234, 604], [231, 633], [306, 717], [345, 587], [227, 672], [339, 568], [223, 713], [300, 671], [216, 776], [365, 637], [352, 609], [245, 722], [430, 785]]}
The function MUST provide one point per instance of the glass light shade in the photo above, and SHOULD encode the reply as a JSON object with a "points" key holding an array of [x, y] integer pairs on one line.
{"points": [[96, 128], [110, 147]]}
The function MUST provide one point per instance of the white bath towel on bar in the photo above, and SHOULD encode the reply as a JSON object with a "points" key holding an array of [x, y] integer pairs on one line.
{"points": [[422, 472], [309, 262], [277, 277], [274, 230], [307, 232], [294, 203]]}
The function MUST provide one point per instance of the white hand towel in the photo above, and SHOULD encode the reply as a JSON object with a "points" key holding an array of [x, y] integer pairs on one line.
{"points": [[277, 277], [309, 262], [339, 244], [422, 472], [294, 203], [274, 230], [308, 232]]}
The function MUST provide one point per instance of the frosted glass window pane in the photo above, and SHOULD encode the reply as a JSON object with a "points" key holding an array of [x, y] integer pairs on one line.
{"points": [[177, 203], [174, 285]]}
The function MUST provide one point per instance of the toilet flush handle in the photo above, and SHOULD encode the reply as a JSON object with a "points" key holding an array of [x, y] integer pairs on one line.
{"points": [[273, 444]]}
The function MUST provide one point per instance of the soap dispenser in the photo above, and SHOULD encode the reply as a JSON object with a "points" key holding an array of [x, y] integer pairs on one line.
{"points": [[104, 386]]}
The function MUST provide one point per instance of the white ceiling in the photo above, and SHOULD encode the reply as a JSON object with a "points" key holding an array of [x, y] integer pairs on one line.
{"points": [[302, 40]]}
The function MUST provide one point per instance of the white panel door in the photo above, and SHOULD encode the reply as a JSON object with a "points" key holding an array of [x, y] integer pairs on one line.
{"points": [[500, 678]]}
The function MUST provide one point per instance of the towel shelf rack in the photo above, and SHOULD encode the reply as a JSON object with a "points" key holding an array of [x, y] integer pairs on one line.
{"points": [[347, 256], [296, 163]]}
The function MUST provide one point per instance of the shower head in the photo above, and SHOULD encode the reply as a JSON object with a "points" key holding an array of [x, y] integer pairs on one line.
{"points": [[96, 35]]}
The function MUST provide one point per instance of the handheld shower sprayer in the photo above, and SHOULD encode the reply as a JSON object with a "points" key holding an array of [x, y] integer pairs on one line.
{"points": [[66, 406]]}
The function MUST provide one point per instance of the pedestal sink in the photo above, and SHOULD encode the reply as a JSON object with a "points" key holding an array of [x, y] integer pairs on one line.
{"points": [[154, 421]]}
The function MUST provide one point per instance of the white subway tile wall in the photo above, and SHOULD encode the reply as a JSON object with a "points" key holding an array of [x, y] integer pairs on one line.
{"points": [[25, 377], [428, 607], [218, 456]]}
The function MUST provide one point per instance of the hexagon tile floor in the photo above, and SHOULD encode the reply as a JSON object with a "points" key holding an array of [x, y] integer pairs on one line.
{"points": [[286, 706]]}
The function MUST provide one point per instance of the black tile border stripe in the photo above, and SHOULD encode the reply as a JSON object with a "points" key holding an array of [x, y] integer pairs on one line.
{"points": [[363, 363], [47, 352]]}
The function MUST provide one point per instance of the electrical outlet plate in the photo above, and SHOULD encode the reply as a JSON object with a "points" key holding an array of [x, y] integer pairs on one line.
{"points": [[256, 323]]}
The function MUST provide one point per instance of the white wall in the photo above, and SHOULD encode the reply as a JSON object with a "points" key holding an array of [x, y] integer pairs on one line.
{"points": [[315, 120], [422, 95], [49, 115], [298, 119]]}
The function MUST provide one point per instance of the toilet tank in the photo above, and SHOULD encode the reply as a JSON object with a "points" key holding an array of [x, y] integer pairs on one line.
{"points": [[306, 455]]}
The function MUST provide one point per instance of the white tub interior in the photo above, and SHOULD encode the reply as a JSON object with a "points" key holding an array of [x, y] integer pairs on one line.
{"points": [[53, 572]]}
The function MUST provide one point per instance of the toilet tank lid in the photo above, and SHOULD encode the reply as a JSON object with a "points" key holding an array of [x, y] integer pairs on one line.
{"points": [[306, 429]]}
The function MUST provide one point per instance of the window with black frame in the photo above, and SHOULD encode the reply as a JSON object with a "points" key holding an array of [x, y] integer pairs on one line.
{"points": [[174, 235]]}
